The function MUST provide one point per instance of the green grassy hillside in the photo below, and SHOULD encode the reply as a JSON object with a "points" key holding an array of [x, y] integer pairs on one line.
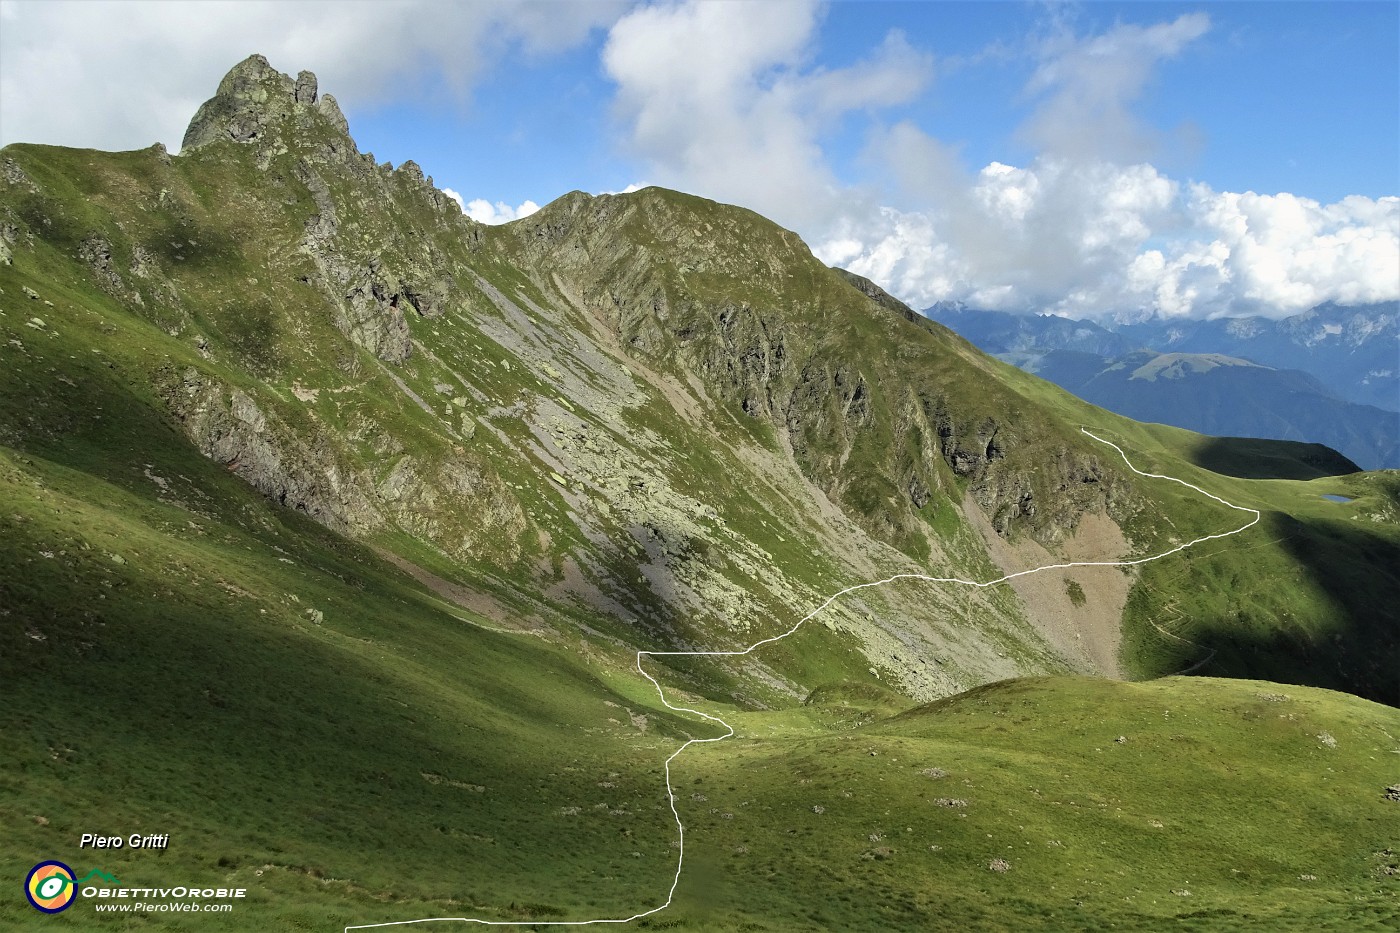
{"points": [[298, 714], [392, 760], [1061, 804]]}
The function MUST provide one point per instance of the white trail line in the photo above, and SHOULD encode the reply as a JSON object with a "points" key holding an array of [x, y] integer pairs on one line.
{"points": [[729, 730]]}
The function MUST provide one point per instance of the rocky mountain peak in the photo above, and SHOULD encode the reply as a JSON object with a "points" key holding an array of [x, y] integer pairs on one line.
{"points": [[252, 98]]}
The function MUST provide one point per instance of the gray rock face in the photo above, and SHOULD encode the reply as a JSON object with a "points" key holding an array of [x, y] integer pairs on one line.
{"points": [[369, 309], [372, 293], [9, 233], [97, 253], [143, 264], [831, 407], [431, 298], [376, 319], [229, 426], [877, 294], [259, 106], [14, 175], [250, 95], [252, 98], [306, 471], [305, 91], [329, 109]]}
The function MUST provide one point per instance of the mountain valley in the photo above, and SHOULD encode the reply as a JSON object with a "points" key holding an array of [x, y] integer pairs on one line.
{"points": [[334, 522]]}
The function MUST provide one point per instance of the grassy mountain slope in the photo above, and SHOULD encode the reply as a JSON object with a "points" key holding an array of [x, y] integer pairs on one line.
{"points": [[1067, 804], [303, 722], [332, 522]]}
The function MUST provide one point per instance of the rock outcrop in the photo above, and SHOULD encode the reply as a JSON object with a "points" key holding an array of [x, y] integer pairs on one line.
{"points": [[376, 280], [884, 429], [304, 92], [371, 294], [302, 473], [252, 98]]}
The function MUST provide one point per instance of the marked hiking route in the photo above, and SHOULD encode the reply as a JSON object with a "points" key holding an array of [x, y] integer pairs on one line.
{"points": [[729, 730]]}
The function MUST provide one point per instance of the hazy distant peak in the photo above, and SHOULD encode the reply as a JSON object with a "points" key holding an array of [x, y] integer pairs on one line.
{"points": [[1181, 365]]}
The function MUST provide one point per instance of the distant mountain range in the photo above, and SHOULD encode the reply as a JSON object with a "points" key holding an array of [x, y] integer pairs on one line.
{"points": [[1353, 351], [1328, 376]]}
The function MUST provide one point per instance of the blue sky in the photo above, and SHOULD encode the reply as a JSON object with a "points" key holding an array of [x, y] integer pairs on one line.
{"points": [[1093, 159], [1295, 97]]}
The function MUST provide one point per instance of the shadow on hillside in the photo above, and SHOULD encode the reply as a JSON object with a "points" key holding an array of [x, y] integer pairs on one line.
{"points": [[1256, 458], [1359, 652]]}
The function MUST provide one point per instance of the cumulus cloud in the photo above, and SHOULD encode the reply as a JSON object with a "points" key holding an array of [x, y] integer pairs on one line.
{"points": [[1011, 237], [1275, 252], [1088, 227], [484, 211], [1097, 239], [59, 59], [634, 186], [719, 98]]}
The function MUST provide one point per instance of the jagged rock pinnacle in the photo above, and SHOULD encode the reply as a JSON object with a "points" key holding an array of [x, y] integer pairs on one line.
{"points": [[331, 111], [305, 88], [252, 97]]}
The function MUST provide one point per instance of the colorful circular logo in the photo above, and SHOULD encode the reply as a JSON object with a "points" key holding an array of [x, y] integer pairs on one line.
{"points": [[50, 887]]}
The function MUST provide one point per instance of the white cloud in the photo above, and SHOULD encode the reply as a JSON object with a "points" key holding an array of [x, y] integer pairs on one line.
{"points": [[1086, 230], [719, 99], [895, 73], [484, 211], [1096, 239], [1287, 252], [1006, 237], [121, 75], [1088, 87], [633, 186]]}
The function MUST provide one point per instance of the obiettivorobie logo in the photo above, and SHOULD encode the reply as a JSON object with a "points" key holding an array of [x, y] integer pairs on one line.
{"points": [[51, 886]]}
